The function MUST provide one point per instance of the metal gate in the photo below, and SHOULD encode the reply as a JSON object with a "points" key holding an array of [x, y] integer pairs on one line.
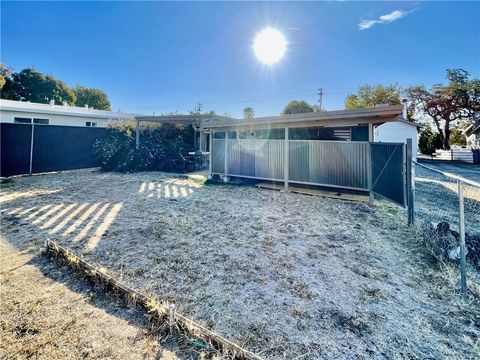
{"points": [[388, 171]]}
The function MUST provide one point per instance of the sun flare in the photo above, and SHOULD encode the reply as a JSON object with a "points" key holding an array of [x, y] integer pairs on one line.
{"points": [[269, 46]]}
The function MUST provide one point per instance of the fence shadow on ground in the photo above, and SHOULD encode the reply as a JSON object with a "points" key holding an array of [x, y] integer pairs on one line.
{"points": [[82, 223]]}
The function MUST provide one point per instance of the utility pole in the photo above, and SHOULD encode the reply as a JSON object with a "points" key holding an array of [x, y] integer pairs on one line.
{"points": [[198, 111], [198, 108], [320, 98]]}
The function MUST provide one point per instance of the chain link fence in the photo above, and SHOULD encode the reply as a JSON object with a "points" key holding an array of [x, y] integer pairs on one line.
{"points": [[447, 221]]}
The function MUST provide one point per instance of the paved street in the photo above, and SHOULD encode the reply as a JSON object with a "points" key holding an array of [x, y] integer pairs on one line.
{"points": [[467, 171]]}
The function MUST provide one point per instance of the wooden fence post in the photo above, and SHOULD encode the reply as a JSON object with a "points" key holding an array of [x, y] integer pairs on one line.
{"points": [[171, 315]]}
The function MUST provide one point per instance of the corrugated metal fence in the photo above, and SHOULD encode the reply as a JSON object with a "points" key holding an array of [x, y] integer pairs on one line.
{"points": [[339, 163], [333, 163], [342, 164]]}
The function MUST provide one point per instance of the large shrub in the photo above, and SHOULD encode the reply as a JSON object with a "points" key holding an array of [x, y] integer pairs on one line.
{"points": [[159, 147], [428, 140]]}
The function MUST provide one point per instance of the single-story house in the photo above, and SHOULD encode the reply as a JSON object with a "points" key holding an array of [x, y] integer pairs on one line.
{"points": [[22, 112], [472, 133], [399, 131]]}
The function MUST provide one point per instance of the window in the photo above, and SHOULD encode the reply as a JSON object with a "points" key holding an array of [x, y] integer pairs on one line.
{"points": [[344, 133], [19, 120], [91, 123], [270, 134], [219, 135], [232, 134], [41, 121], [37, 121]]}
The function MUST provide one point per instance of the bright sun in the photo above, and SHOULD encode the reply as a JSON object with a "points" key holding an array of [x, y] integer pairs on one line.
{"points": [[269, 46]]}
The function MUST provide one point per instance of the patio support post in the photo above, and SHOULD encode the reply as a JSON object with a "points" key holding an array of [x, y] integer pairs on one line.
{"points": [[137, 135], [225, 160], [286, 159], [200, 146], [210, 134], [370, 164]]}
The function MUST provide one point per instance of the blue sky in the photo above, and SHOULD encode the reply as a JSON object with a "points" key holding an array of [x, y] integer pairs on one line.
{"points": [[164, 57]]}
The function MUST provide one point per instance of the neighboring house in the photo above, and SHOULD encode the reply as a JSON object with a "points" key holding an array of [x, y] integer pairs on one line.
{"points": [[398, 131], [472, 133], [49, 114]]}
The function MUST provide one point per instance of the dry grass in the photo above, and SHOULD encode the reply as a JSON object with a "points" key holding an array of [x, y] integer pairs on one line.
{"points": [[45, 315], [51, 312], [437, 201], [285, 275]]}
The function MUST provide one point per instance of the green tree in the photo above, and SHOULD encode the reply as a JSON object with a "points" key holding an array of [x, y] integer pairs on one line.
{"points": [[248, 113], [31, 85], [94, 98], [298, 107], [5, 74], [457, 138], [428, 141], [368, 96], [446, 105]]}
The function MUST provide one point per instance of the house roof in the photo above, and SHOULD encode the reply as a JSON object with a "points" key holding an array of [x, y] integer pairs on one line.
{"points": [[475, 127], [471, 129], [377, 116], [178, 119], [408, 122], [29, 107]]}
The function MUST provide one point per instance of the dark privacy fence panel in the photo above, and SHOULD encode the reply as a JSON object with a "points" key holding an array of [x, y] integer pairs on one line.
{"points": [[15, 149], [55, 148], [388, 171], [64, 147]]}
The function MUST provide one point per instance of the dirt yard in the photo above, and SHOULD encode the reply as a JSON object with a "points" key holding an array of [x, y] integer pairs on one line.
{"points": [[284, 275], [47, 312]]}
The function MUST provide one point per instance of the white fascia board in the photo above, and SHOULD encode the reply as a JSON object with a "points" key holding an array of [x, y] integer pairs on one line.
{"points": [[384, 114]]}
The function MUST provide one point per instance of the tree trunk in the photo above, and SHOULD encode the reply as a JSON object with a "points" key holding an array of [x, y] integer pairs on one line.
{"points": [[440, 133], [446, 138]]}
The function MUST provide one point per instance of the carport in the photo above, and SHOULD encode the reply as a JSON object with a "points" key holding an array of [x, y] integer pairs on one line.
{"points": [[330, 149]]}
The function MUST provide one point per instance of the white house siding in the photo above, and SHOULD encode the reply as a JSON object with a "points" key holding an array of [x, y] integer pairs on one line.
{"points": [[398, 131], [59, 114], [7, 116]]}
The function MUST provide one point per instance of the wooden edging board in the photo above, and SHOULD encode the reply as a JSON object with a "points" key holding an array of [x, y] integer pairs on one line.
{"points": [[315, 192], [155, 309]]}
